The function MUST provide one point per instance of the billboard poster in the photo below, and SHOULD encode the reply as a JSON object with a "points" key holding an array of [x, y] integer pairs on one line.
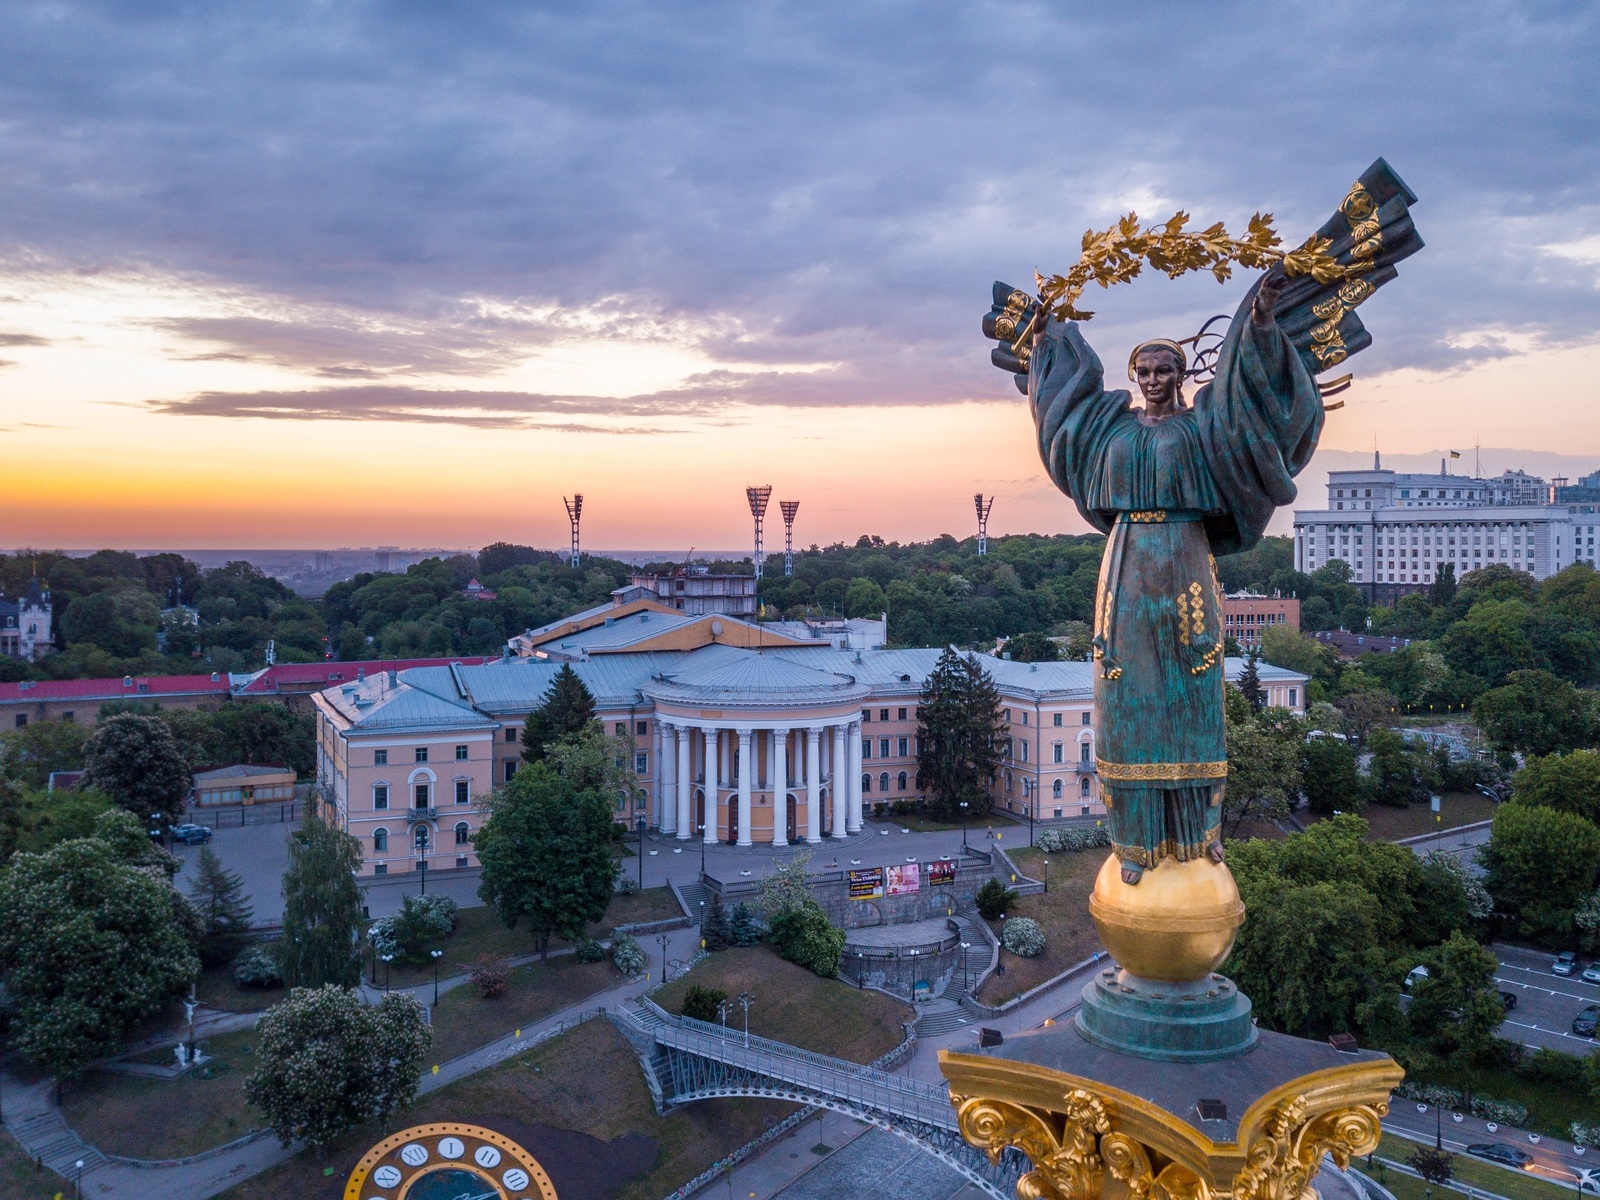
{"points": [[941, 873], [866, 884], [904, 880]]}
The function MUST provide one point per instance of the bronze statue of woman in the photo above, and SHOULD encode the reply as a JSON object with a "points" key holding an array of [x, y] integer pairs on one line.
{"points": [[1176, 482]]}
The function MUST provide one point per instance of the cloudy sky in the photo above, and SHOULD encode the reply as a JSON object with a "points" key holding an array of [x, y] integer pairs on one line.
{"points": [[340, 273]]}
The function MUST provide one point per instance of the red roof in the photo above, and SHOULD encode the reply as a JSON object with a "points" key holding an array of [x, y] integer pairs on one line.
{"points": [[326, 674], [127, 688]]}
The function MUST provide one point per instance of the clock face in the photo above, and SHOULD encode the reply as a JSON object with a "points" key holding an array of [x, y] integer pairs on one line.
{"points": [[448, 1162]]}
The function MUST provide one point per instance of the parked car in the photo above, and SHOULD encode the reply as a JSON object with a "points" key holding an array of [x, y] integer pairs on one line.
{"points": [[1565, 964], [1591, 973], [1583, 1024], [1509, 999], [1501, 1153], [1416, 973]]}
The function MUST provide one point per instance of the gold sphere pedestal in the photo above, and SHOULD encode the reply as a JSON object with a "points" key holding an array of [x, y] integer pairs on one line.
{"points": [[1162, 1088]]}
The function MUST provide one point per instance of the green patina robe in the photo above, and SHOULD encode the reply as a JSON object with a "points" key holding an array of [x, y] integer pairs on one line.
{"points": [[1170, 495]]}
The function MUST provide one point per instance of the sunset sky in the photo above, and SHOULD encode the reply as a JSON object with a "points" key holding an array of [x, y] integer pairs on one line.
{"points": [[310, 274]]}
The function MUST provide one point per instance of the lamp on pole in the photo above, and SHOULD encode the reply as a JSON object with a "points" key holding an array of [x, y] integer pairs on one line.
{"points": [[662, 938], [744, 1000], [387, 959], [1031, 806], [1046, 874], [437, 955], [77, 1179], [963, 826], [641, 822], [966, 983]]}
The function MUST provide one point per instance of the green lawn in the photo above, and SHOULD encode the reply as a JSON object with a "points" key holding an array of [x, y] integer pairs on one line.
{"points": [[480, 931], [1455, 809], [1518, 1185], [588, 1080], [464, 1020], [1063, 911], [793, 1005], [1551, 1107], [922, 823], [217, 989], [168, 1118], [21, 1180]]}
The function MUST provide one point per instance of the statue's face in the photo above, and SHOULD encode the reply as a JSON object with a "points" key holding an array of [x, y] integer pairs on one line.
{"points": [[1158, 377]]}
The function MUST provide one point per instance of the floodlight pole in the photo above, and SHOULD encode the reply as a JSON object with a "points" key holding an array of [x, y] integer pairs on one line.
{"points": [[758, 497], [789, 507], [983, 506], [574, 515]]}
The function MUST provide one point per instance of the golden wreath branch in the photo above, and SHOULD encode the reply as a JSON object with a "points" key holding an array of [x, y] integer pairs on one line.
{"points": [[1119, 254]]}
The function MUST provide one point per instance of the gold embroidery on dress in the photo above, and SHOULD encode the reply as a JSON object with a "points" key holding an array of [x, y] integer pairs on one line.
{"points": [[1183, 619], [1197, 606], [1209, 661], [1169, 848], [1160, 772], [1154, 517]]}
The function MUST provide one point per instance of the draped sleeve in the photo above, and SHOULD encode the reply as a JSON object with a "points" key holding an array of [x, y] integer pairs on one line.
{"points": [[1259, 420], [1077, 419]]}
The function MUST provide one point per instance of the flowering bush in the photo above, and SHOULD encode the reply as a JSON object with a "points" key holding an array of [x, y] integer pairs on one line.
{"points": [[421, 919], [626, 955], [257, 966], [1024, 937], [489, 975], [1504, 1112], [1584, 1135], [1054, 841]]}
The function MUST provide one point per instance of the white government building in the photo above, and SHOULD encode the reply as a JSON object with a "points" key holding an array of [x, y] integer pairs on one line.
{"points": [[740, 734], [1394, 528]]}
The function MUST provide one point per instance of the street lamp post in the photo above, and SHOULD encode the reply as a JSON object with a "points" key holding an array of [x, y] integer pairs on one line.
{"points": [[701, 829], [1046, 874], [963, 826], [1031, 807], [77, 1179], [966, 982], [437, 955], [662, 938], [387, 959], [641, 851], [422, 871], [744, 1000]]}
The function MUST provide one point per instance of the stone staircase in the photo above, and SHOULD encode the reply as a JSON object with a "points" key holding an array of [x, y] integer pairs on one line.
{"points": [[942, 1016], [47, 1137], [975, 959], [693, 896]]}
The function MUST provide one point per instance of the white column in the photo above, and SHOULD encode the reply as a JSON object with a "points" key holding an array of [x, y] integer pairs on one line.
{"points": [[853, 808], [842, 759], [684, 779], [666, 759], [747, 775], [780, 787], [713, 758], [813, 785]]}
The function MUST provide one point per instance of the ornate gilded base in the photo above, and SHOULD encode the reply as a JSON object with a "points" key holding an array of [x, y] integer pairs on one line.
{"points": [[1096, 1124], [1182, 1022]]}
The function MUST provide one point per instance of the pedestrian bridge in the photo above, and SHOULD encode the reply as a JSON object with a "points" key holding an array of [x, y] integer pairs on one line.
{"points": [[686, 1060]]}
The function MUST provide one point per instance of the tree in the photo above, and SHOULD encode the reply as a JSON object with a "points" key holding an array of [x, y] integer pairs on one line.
{"points": [[1364, 712], [1033, 647], [1536, 713], [93, 940], [592, 760], [264, 733], [1263, 774], [1399, 773], [567, 710], [1442, 591], [806, 936], [1539, 866], [219, 901], [1455, 1011], [1437, 1167], [1250, 683], [863, 598], [322, 919], [1568, 782], [1330, 777], [326, 1063], [546, 855], [959, 735], [31, 754], [137, 762], [701, 1003], [742, 927], [715, 932], [786, 889]]}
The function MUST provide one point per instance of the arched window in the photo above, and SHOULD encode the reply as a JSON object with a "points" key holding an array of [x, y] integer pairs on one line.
{"points": [[904, 778], [420, 836], [866, 783], [1010, 782], [883, 782], [380, 840], [463, 833], [1055, 789], [1084, 787]]}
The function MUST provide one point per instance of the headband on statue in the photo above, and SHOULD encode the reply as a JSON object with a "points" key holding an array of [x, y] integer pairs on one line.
{"points": [[1158, 344]]}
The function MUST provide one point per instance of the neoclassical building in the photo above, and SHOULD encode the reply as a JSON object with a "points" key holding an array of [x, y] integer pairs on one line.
{"points": [[738, 734]]}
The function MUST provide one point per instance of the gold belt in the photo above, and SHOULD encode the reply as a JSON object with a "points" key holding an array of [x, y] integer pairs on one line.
{"points": [[1160, 772]]}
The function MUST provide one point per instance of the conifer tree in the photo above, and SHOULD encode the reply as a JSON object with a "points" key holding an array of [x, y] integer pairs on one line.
{"points": [[568, 710], [219, 901], [322, 919], [742, 928], [715, 932], [1250, 683], [959, 735]]}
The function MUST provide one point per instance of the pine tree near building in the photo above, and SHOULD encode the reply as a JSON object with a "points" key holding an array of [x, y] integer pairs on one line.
{"points": [[716, 933], [568, 710], [1250, 683], [219, 901], [959, 735]]}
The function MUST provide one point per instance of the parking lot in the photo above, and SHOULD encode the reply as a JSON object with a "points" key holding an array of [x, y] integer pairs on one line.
{"points": [[1546, 1003]]}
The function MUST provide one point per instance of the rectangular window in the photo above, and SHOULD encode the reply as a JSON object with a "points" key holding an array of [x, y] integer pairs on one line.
{"points": [[1059, 752], [1057, 719], [902, 713], [622, 729], [380, 796], [1083, 752], [641, 727], [866, 714], [422, 754], [22, 720], [903, 744], [381, 869], [883, 714], [68, 716], [641, 763], [866, 747], [380, 758], [461, 754], [510, 769], [419, 796], [1294, 697], [1085, 718], [511, 735], [883, 747], [1024, 751], [461, 860], [463, 792]]}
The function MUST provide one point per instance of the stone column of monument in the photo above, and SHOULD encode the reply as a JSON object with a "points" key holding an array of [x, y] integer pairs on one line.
{"points": [[1162, 1085], [780, 787], [813, 785]]}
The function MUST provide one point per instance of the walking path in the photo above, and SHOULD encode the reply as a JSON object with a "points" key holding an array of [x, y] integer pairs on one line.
{"points": [[33, 1119]]}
